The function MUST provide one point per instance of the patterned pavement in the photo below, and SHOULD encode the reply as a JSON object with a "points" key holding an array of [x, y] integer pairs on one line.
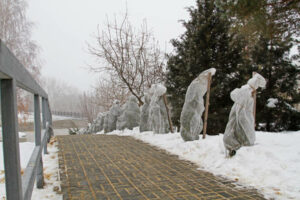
{"points": [[114, 167]]}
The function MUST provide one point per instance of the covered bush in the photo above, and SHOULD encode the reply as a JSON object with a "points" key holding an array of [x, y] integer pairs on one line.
{"points": [[240, 127], [130, 116], [191, 115], [110, 120], [158, 118], [98, 123], [144, 125]]}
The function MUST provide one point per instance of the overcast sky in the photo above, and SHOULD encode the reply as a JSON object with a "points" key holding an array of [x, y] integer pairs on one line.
{"points": [[62, 28]]}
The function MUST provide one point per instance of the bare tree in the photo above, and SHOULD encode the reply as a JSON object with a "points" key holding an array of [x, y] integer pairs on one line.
{"points": [[106, 91], [62, 96], [101, 98], [88, 107], [131, 56], [15, 32]]}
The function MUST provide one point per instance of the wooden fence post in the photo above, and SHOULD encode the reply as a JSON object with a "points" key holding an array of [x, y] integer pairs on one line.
{"points": [[206, 105], [38, 140], [49, 112], [168, 113], [44, 114], [49, 117], [254, 103], [11, 149]]}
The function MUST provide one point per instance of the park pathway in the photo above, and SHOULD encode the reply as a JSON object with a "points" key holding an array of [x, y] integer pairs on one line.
{"points": [[114, 167]]}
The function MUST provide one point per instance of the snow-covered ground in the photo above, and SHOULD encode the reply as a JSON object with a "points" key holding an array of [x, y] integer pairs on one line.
{"points": [[272, 165], [30, 117], [21, 134], [50, 171], [51, 176]]}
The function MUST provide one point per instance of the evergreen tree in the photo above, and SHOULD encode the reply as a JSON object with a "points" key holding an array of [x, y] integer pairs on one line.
{"points": [[206, 43], [270, 28], [250, 17], [272, 60]]}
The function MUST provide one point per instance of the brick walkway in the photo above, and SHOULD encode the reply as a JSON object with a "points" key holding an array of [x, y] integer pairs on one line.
{"points": [[113, 167]]}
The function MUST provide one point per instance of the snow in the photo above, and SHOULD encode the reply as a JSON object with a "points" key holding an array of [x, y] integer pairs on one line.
{"points": [[26, 149], [272, 102], [51, 176], [57, 117], [21, 134], [272, 165], [158, 89], [212, 71], [50, 171], [30, 117]]}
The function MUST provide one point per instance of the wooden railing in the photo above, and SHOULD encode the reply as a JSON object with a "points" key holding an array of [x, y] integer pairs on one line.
{"points": [[13, 75]]}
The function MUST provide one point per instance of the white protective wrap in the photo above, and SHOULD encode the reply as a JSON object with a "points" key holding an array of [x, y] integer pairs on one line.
{"points": [[99, 122], [105, 123], [110, 121], [130, 116], [240, 127], [144, 126], [120, 118], [191, 123], [91, 127], [158, 117], [83, 131]]}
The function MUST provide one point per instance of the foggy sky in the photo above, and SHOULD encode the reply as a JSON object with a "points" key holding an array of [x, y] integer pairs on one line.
{"points": [[62, 28]]}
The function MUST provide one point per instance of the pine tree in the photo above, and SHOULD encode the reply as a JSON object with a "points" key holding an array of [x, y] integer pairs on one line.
{"points": [[270, 28], [206, 43], [271, 58], [250, 16]]}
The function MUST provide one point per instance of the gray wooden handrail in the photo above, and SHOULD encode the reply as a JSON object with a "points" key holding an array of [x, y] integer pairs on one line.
{"points": [[12, 68], [12, 75], [29, 173]]}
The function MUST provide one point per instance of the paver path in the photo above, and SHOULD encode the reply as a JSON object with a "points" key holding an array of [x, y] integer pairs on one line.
{"points": [[114, 167]]}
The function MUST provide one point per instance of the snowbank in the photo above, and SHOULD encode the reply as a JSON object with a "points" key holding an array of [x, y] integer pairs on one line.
{"points": [[50, 171], [51, 177], [26, 149], [272, 165]]}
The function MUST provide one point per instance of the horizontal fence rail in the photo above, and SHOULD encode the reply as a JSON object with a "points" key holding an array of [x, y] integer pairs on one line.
{"points": [[68, 114], [11, 68], [13, 75]]}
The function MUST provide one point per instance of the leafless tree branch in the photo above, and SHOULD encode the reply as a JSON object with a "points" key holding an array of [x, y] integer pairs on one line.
{"points": [[133, 57]]}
